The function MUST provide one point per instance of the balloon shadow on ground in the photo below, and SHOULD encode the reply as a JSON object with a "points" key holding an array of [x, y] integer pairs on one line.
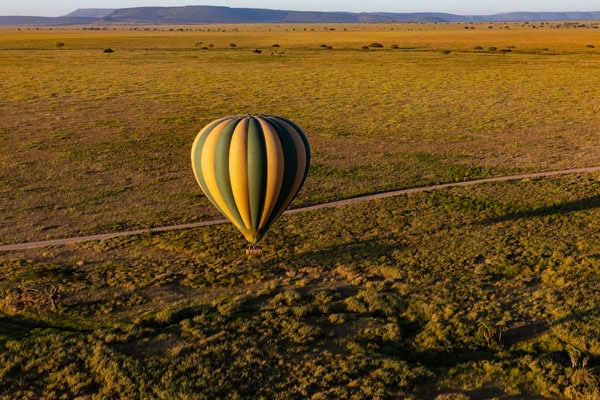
{"points": [[585, 204], [17, 327], [353, 251]]}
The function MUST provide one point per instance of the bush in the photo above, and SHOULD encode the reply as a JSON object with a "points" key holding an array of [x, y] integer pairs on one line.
{"points": [[376, 45]]}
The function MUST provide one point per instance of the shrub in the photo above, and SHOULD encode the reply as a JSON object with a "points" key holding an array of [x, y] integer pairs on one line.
{"points": [[108, 50], [376, 45]]}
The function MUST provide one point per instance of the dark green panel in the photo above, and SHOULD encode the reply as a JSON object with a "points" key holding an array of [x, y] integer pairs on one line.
{"points": [[257, 171], [306, 143]]}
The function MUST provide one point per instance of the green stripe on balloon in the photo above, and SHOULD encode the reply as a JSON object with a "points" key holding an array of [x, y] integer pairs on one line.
{"points": [[257, 171]]}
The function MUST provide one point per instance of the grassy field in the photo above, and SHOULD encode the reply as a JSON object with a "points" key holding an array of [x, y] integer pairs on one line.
{"points": [[483, 292]]}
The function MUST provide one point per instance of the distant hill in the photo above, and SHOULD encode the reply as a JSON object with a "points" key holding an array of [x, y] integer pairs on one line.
{"points": [[91, 12], [543, 16], [426, 17], [228, 15]]}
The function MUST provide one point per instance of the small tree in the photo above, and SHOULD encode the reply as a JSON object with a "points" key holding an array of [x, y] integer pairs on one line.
{"points": [[60, 45]]}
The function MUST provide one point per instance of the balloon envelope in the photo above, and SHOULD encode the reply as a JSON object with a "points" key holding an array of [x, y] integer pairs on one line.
{"points": [[251, 167]]}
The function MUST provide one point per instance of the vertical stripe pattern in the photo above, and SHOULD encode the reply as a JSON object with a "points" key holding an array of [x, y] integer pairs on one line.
{"points": [[251, 167]]}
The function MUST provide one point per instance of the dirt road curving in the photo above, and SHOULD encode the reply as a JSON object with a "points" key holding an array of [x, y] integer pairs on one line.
{"points": [[104, 236]]}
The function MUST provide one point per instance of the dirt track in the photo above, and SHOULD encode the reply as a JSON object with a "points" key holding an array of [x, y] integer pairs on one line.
{"points": [[65, 241]]}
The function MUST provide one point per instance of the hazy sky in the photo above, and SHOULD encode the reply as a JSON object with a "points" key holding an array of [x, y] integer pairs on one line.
{"points": [[62, 7]]}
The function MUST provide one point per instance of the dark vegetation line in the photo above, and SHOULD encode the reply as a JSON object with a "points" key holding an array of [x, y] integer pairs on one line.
{"points": [[105, 236]]}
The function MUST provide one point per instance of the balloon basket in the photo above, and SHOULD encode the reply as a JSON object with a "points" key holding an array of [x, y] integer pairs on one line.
{"points": [[254, 249]]}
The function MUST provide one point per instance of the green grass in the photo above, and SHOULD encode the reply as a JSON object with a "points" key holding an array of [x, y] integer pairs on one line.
{"points": [[482, 292], [394, 301]]}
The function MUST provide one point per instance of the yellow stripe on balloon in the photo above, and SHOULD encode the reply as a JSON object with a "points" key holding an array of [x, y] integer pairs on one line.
{"points": [[275, 170], [238, 170], [207, 164], [196, 160]]}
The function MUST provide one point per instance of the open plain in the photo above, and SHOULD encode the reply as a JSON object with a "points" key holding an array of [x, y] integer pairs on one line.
{"points": [[478, 292]]}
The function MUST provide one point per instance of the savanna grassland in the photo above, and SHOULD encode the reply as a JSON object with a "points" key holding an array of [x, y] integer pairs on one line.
{"points": [[489, 291]]}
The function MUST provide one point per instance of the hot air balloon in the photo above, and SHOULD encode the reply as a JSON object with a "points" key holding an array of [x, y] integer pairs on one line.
{"points": [[251, 167]]}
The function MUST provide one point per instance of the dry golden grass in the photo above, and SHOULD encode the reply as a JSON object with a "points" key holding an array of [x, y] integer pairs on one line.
{"points": [[95, 142]]}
